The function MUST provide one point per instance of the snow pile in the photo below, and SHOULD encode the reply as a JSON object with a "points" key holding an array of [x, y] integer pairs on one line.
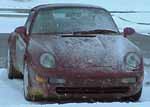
{"points": [[116, 104]]}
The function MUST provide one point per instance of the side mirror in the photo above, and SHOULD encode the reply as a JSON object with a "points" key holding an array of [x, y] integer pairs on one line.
{"points": [[22, 30], [128, 31]]}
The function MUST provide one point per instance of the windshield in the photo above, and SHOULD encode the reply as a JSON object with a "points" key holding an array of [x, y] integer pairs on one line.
{"points": [[67, 20]]}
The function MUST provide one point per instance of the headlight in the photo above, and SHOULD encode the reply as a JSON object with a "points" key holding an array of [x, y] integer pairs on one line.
{"points": [[132, 61], [47, 60]]}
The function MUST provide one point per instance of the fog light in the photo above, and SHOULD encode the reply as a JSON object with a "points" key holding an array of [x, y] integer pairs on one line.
{"points": [[36, 92], [53, 80], [40, 79], [128, 80]]}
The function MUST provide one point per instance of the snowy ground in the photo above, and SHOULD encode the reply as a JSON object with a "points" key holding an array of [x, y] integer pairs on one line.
{"points": [[11, 93]]}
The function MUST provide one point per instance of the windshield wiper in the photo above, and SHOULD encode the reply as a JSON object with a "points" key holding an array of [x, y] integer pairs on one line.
{"points": [[77, 35], [88, 33], [96, 31]]}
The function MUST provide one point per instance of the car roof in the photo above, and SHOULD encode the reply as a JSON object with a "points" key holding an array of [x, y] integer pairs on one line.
{"points": [[61, 5]]}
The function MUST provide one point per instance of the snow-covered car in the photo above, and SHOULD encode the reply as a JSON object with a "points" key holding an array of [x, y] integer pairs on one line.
{"points": [[74, 52]]}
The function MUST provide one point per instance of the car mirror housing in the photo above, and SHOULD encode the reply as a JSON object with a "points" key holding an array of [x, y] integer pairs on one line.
{"points": [[21, 30], [128, 31]]}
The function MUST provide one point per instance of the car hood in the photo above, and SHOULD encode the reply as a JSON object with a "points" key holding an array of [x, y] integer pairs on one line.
{"points": [[104, 51]]}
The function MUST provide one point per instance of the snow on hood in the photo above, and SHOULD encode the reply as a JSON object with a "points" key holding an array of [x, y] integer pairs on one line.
{"points": [[82, 52]]}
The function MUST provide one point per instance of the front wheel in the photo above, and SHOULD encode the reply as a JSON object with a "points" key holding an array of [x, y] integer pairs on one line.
{"points": [[26, 84], [12, 72], [30, 93], [137, 96]]}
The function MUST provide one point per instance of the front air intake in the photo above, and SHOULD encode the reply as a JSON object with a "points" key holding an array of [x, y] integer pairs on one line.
{"points": [[91, 90]]}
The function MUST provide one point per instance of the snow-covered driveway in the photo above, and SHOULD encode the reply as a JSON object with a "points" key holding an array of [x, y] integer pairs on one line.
{"points": [[11, 91], [11, 94]]}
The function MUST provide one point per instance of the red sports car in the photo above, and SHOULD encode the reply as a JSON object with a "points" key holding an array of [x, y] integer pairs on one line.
{"points": [[74, 52]]}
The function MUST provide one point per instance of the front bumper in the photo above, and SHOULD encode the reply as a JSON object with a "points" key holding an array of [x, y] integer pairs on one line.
{"points": [[51, 87]]}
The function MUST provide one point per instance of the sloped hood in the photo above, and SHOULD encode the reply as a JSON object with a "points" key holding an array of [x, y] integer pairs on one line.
{"points": [[105, 51]]}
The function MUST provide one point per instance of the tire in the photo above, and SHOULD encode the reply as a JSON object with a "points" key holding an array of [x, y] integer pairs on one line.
{"points": [[10, 67], [26, 84], [29, 96], [12, 72], [137, 96], [134, 98]]}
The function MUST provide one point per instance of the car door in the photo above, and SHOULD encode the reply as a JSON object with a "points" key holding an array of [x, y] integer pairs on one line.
{"points": [[20, 52]]}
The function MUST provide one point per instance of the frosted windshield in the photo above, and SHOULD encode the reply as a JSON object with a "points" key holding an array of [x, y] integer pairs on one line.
{"points": [[65, 20]]}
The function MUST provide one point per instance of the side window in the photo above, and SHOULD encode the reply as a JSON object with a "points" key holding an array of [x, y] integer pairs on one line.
{"points": [[44, 22], [29, 20]]}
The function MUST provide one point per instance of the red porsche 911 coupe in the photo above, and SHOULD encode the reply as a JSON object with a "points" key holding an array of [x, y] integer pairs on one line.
{"points": [[74, 52]]}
